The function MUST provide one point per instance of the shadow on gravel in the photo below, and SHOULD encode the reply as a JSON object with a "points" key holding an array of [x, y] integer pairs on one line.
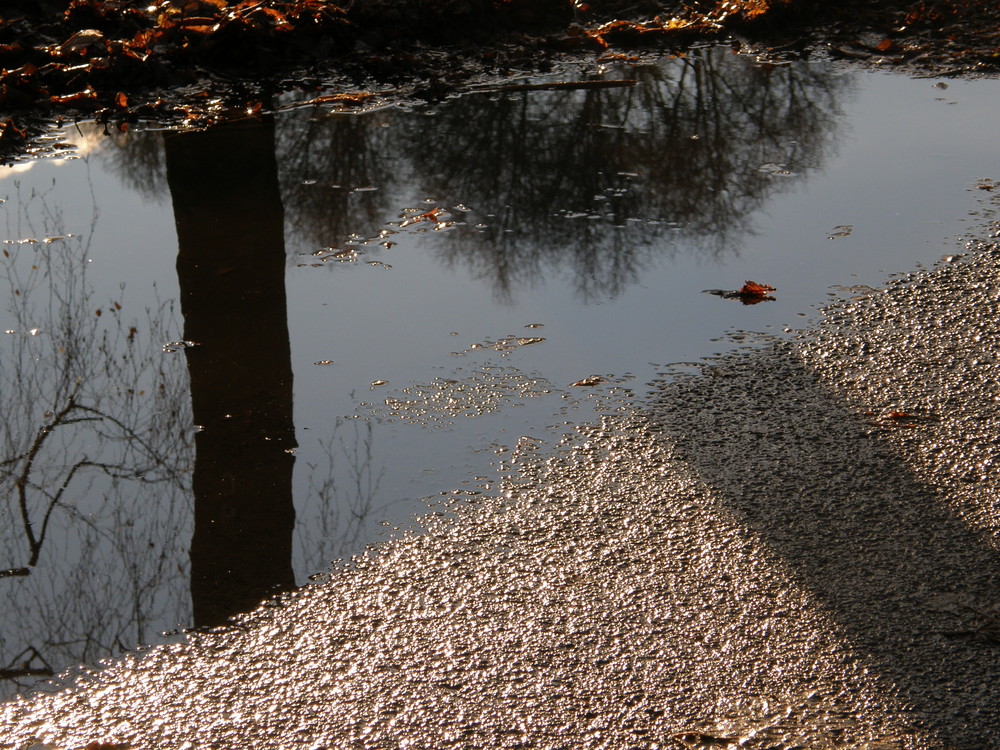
{"points": [[855, 525]]}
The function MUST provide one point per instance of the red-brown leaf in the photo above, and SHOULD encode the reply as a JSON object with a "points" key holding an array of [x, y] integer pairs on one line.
{"points": [[753, 289]]}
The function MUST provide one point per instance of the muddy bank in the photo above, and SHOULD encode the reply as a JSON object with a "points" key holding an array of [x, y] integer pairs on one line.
{"points": [[795, 546], [193, 64]]}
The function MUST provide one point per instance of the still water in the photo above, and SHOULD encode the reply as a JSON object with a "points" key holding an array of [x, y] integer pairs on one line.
{"points": [[231, 357]]}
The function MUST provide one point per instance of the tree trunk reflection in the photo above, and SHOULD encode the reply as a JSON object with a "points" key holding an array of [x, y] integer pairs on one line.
{"points": [[231, 264]]}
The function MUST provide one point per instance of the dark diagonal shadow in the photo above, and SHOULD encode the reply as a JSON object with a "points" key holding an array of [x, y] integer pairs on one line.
{"points": [[826, 486]]}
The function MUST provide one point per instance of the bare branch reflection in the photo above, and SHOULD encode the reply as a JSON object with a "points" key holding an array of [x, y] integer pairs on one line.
{"points": [[603, 181], [336, 172], [596, 182], [94, 461], [343, 497]]}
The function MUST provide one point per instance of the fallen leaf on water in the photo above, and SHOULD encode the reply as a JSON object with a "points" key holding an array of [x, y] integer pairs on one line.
{"points": [[749, 294], [753, 289], [435, 215]]}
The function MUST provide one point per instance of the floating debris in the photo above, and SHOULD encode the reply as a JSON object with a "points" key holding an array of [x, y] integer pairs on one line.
{"points": [[475, 394], [841, 230], [508, 343], [176, 346], [341, 255], [777, 170], [751, 293], [590, 382], [435, 215]]}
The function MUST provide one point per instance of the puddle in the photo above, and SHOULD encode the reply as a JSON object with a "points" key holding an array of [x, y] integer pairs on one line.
{"points": [[315, 323]]}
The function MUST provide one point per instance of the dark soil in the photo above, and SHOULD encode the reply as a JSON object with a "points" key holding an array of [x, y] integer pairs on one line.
{"points": [[193, 62]]}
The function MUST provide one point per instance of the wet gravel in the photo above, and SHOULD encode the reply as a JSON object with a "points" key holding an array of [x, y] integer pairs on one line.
{"points": [[795, 546]]}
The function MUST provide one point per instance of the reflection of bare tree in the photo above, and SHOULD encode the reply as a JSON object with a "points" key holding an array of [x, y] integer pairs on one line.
{"points": [[343, 497], [602, 180], [335, 172], [91, 424], [136, 158], [597, 181]]}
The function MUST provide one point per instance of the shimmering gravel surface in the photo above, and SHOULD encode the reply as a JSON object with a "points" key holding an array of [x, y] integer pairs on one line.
{"points": [[796, 546]]}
